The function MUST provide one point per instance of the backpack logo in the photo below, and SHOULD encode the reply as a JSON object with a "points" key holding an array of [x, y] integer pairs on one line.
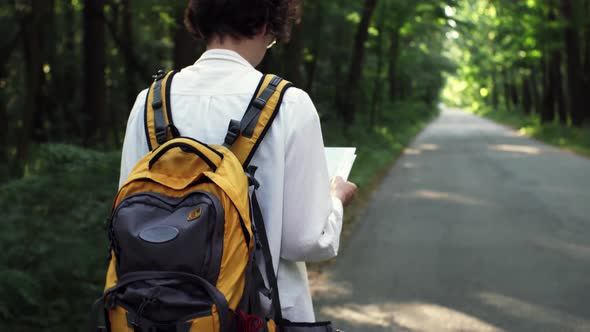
{"points": [[194, 215]]}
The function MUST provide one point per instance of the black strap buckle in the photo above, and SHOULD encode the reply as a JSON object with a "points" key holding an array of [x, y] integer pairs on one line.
{"points": [[159, 75], [267, 292], [162, 135], [110, 301], [157, 104], [233, 132], [259, 103], [251, 174], [275, 81]]}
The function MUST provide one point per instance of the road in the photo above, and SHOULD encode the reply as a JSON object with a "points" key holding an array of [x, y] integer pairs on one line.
{"points": [[475, 229]]}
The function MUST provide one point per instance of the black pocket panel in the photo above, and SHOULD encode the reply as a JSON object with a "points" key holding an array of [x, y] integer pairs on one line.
{"points": [[153, 232]]}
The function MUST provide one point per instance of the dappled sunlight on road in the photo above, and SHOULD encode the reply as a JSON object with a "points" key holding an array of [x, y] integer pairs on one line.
{"points": [[409, 165], [573, 250], [512, 133], [322, 285], [429, 147], [445, 196], [456, 126], [359, 315], [533, 312], [531, 150], [412, 151], [421, 148], [413, 316]]}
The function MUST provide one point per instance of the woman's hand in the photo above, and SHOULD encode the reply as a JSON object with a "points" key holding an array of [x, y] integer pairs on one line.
{"points": [[343, 190]]}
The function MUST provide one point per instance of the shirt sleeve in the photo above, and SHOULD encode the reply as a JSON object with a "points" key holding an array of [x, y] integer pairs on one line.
{"points": [[135, 143], [312, 217]]}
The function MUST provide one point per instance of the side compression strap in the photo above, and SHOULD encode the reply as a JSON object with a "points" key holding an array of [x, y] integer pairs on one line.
{"points": [[258, 118], [265, 247], [158, 114]]}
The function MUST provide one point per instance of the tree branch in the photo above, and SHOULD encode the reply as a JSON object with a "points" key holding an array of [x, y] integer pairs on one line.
{"points": [[137, 65]]}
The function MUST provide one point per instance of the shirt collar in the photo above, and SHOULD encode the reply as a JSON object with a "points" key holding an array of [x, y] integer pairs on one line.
{"points": [[223, 54]]}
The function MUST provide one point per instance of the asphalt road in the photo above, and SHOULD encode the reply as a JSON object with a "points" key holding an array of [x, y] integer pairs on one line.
{"points": [[475, 229]]}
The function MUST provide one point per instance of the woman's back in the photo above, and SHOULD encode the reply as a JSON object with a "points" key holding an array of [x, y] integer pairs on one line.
{"points": [[302, 220]]}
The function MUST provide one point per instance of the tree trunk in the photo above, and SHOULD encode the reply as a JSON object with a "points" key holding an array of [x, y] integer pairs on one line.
{"points": [[548, 104], [574, 68], [586, 74], [316, 47], [536, 98], [94, 70], [7, 49], [349, 97], [294, 56], [67, 81], [406, 86], [127, 39], [527, 102], [186, 48], [377, 86], [32, 28], [45, 116], [495, 88], [267, 65], [514, 92], [506, 86], [140, 68], [554, 99], [338, 62], [557, 86], [5, 54], [394, 52]]}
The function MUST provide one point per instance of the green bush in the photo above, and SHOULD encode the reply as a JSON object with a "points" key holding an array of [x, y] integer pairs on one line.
{"points": [[53, 242]]}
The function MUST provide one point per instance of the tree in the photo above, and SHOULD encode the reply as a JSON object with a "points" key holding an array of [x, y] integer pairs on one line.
{"points": [[349, 96], [94, 70], [574, 65], [31, 19], [186, 47]]}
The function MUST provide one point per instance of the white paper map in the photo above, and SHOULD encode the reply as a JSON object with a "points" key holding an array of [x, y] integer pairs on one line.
{"points": [[340, 161]]}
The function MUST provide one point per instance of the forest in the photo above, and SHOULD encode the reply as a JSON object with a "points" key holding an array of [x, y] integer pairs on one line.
{"points": [[377, 71], [527, 64]]}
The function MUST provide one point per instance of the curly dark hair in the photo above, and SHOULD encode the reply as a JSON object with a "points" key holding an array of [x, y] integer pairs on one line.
{"points": [[205, 19]]}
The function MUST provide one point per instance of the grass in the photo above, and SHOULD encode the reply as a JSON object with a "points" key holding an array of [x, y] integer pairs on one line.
{"points": [[570, 138], [54, 251]]}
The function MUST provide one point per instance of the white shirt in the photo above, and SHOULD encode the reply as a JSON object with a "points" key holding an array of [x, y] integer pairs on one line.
{"points": [[303, 221]]}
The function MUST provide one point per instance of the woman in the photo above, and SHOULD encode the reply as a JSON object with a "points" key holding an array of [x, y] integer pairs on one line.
{"points": [[302, 210]]}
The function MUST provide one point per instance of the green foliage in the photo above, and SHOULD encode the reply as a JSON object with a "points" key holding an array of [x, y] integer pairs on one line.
{"points": [[515, 65], [53, 244]]}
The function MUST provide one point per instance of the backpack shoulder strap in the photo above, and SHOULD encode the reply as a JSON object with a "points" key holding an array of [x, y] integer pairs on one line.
{"points": [[244, 137], [159, 126]]}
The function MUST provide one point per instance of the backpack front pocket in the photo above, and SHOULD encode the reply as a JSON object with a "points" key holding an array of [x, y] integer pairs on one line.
{"points": [[154, 232]]}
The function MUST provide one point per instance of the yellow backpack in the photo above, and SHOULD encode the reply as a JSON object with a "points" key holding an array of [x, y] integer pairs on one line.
{"points": [[186, 230]]}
